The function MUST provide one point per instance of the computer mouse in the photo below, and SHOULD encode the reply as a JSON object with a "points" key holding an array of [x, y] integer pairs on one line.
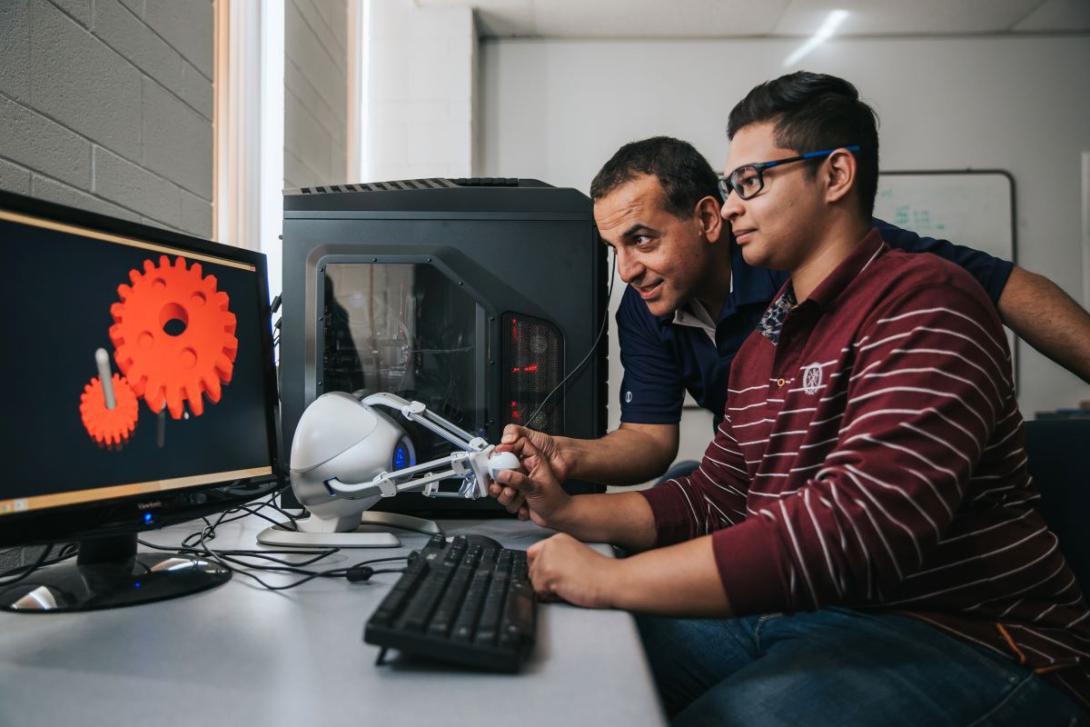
{"points": [[484, 541]]}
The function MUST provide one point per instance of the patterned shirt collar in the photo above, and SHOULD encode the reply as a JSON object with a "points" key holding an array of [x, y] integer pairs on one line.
{"points": [[826, 293], [771, 322]]}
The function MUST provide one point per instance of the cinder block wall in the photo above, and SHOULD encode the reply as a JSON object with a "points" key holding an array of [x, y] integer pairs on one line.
{"points": [[106, 105], [315, 92]]}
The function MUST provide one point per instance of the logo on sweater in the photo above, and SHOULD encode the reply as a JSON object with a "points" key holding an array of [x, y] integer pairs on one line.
{"points": [[811, 378]]}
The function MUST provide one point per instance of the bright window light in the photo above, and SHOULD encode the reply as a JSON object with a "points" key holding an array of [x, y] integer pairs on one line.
{"points": [[826, 31], [270, 160]]}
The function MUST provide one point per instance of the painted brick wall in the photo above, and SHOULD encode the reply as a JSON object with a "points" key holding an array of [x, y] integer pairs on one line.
{"points": [[315, 92], [106, 105]]}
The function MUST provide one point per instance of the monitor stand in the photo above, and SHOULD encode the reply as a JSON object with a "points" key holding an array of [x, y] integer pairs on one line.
{"points": [[109, 573], [315, 532]]}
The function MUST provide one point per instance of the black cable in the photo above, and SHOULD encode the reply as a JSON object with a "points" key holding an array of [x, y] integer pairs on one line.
{"points": [[593, 348], [233, 560], [70, 550], [268, 555], [223, 517], [247, 570], [301, 581], [26, 570], [294, 518], [268, 519], [67, 551]]}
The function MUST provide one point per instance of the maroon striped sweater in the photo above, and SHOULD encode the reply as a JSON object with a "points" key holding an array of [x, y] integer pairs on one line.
{"points": [[872, 456]]}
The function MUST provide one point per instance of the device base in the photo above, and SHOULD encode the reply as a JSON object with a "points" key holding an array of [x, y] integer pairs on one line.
{"points": [[86, 587], [280, 536], [345, 532], [400, 520]]}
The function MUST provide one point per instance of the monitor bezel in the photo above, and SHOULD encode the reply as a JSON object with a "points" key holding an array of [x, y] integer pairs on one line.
{"points": [[131, 513]]}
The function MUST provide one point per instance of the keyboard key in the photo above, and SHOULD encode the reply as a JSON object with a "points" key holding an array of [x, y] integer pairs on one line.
{"points": [[460, 603]]}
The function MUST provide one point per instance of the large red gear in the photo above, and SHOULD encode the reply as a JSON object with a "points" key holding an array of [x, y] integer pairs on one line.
{"points": [[109, 426], [167, 367]]}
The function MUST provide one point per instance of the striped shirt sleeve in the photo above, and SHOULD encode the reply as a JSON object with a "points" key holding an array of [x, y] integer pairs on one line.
{"points": [[928, 374], [711, 498]]}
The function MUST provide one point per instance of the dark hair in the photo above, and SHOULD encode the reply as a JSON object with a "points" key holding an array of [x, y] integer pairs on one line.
{"points": [[814, 111], [685, 175]]}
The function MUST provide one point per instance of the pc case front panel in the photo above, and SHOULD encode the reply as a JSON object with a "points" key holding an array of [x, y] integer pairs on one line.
{"points": [[407, 329], [551, 269]]}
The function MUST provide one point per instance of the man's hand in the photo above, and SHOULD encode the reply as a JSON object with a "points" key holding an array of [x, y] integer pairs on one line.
{"points": [[512, 499], [565, 569], [545, 500], [548, 445]]}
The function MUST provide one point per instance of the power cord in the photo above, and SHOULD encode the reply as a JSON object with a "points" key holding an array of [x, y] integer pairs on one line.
{"points": [[234, 561], [69, 550], [238, 560], [593, 347]]}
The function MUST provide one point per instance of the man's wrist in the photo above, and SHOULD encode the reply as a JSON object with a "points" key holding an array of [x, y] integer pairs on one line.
{"points": [[564, 517], [618, 580], [568, 452]]}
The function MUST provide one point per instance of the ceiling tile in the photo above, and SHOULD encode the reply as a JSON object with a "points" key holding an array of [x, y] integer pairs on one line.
{"points": [[1058, 16], [734, 18], [655, 18], [898, 17], [495, 18]]}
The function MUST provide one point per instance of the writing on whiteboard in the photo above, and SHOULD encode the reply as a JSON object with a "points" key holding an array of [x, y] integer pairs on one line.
{"points": [[966, 208]]}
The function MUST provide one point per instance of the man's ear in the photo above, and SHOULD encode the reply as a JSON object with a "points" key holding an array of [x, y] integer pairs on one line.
{"points": [[840, 172], [707, 217]]}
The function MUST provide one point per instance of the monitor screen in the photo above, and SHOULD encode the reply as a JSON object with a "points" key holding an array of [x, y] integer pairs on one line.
{"points": [[178, 326]]}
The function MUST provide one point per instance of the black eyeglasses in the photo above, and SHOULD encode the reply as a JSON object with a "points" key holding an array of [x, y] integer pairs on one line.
{"points": [[747, 180]]}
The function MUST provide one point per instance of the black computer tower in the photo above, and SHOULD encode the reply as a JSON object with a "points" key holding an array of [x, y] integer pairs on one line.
{"points": [[476, 296]]}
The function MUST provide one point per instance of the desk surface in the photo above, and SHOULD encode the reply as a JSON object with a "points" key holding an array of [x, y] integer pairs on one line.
{"points": [[240, 655]]}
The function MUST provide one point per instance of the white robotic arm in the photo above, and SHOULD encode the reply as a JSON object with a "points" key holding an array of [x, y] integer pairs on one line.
{"points": [[342, 456]]}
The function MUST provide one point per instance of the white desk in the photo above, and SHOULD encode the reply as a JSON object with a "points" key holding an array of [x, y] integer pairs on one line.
{"points": [[239, 655]]}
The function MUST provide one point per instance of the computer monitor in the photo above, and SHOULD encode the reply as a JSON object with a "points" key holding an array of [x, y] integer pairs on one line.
{"points": [[180, 328]]}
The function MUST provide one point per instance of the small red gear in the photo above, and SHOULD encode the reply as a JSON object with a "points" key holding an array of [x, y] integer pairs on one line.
{"points": [[165, 366], [109, 426]]}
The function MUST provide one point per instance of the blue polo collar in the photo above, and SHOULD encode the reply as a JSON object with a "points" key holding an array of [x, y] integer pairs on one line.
{"points": [[748, 286]]}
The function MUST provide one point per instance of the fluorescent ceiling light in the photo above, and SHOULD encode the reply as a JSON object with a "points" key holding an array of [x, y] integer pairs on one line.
{"points": [[832, 22]]}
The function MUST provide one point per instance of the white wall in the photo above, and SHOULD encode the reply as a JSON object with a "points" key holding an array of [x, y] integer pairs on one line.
{"points": [[419, 75], [556, 110]]}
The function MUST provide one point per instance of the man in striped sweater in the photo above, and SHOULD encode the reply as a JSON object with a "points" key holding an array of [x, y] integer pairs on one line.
{"points": [[860, 542]]}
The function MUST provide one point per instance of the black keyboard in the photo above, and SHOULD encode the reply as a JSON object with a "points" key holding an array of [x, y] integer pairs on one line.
{"points": [[460, 602]]}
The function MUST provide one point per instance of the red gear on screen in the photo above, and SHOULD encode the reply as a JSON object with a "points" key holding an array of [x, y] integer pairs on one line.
{"points": [[109, 426], [168, 367]]}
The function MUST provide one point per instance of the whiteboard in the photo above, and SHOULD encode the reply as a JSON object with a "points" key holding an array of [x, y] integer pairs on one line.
{"points": [[975, 209]]}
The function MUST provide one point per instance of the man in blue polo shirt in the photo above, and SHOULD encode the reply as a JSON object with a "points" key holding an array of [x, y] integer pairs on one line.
{"points": [[692, 300]]}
